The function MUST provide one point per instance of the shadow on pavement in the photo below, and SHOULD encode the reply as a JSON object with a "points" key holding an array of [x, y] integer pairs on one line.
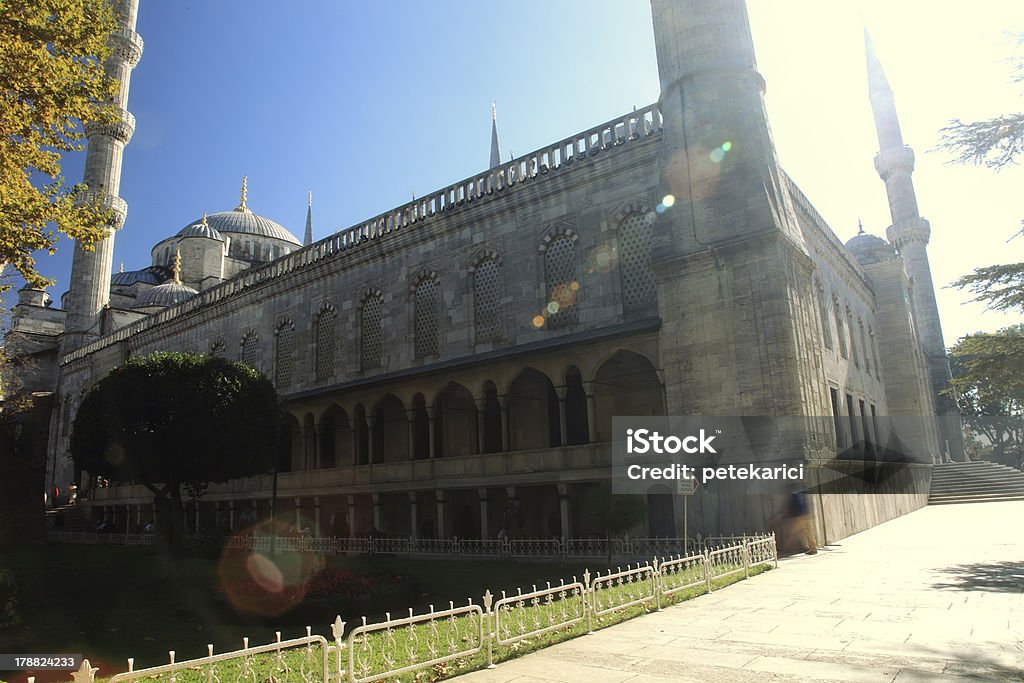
{"points": [[999, 577]]}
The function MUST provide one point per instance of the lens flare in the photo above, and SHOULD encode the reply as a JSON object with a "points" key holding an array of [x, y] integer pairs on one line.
{"points": [[538, 321], [668, 200], [552, 307]]}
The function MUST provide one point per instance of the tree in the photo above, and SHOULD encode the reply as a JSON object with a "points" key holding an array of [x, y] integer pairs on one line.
{"points": [[177, 419], [51, 71], [988, 379], [995, 143]]}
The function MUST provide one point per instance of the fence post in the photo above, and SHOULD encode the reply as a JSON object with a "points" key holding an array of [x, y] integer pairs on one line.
{"points": [[338, 631], [588, 608], [657, 583], [488, 617], [746, 559], [707, 570], [775, 550]]}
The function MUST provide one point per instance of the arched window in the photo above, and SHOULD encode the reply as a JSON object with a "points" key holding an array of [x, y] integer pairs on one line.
{"points": [[284, 356], [864, 346], [638, 289], [217, 348], [837, 309], [325, 326], [371, 336], [562, 284], [487, 299], [853, 338], [248, 351], [426, 300], [826, 324]]}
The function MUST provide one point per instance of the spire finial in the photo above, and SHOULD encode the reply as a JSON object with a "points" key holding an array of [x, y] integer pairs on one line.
{"points": [[495, 153], [177, 266], [245, 194], [860, 226], [121, 269], [307, 239], [204, 223]]}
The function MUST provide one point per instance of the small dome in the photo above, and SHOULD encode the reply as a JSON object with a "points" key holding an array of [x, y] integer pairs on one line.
{"points": [[870, 249], [162, 296], [153, 275], [201, 229]]}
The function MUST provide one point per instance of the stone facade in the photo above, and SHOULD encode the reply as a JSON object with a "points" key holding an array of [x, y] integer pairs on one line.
{"points": [[451, 366]]}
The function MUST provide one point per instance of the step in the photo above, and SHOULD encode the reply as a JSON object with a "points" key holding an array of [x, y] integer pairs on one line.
{"points": [[976, 499]]}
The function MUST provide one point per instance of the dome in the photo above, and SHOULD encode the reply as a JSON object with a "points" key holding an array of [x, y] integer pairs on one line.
{"points": [[870, 248], [238, 221], [201, 229], [162, 296], [153, 275]]}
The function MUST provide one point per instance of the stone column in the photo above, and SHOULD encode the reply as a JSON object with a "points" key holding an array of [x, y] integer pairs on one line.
{"points": [[351, 500], [563, 510], [411, 412], [316, 516], [413, 531], [298, 513], [369, 438], [588, 389], [231, 515], [561, 391], [216, 515], [482, 492], [481, 403], [377, 512], [431, 413], [439, 497], [195, 525], [505, 440], [354, 432]]}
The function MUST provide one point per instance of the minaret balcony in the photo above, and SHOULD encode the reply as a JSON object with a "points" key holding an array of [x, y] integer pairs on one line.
{"points": [[120, 130], [126, 44], [894, 159], [909, 231], [106, 201]]}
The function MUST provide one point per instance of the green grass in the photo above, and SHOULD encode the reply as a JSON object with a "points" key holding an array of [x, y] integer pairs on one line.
{"points": [[106, 603]]}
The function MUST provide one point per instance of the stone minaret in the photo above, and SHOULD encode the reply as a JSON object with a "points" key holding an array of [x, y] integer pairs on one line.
{"points": [[307, 239], [90, 270], [909, 233]]}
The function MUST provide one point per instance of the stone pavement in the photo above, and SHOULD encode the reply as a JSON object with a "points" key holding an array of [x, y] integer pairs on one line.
{"points": [[933, 596]]}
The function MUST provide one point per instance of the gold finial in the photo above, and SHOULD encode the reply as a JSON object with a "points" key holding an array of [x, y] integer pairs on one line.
{"points": [[245, 194], [204, 223], [177, 266], [494, 111], [121, 269]]}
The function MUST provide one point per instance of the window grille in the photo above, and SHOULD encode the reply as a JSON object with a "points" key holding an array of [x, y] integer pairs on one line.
{"points": [[563, 287], [371, 334], [284, 365], [326, 323], [425, 325], [638, 289], [217, 349], [487, 300], [248, 354]]}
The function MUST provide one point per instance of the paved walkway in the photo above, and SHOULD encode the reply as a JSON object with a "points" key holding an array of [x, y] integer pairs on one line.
{"points": [[933, 596]]}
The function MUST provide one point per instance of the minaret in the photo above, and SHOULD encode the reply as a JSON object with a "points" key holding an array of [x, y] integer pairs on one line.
{"points": [[495, 154], [307, 239], [90, 270], [909, 233]]}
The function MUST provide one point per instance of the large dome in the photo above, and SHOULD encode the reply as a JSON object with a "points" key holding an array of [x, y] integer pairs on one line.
{"points": [[870, 248], [241, 222], [165, 295]]}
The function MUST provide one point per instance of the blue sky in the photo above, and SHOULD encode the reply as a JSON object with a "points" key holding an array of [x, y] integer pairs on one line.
{"points": [[366, 103]]}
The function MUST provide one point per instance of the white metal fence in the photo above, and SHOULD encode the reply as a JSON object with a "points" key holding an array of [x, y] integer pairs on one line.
{"points": [[521, 548], [404, 645]]}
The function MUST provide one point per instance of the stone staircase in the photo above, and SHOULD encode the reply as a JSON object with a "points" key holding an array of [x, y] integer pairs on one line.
{"points": [[979, 481], [67, 518]]}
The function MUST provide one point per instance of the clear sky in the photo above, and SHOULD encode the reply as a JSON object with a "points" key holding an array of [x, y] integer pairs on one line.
{"points": [[365, 103]]}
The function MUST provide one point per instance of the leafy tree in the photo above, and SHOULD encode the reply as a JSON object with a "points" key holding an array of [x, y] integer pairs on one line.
{"points": [[988, 378], [177, 419], [995, 143], [51, 72]]}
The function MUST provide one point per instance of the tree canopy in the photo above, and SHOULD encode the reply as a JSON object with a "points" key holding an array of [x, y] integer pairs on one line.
{"points": [[51, 72], [988, 376], [177, 418]]}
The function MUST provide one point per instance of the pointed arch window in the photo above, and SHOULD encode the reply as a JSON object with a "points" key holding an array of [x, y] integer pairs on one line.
{"points": [[426, 305], [837, 309], [371, 313], [325, 330], [562, 283], [487, 299], [826, 324], [638, 287], [248, 351], [284, 356], [217, 348]]}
